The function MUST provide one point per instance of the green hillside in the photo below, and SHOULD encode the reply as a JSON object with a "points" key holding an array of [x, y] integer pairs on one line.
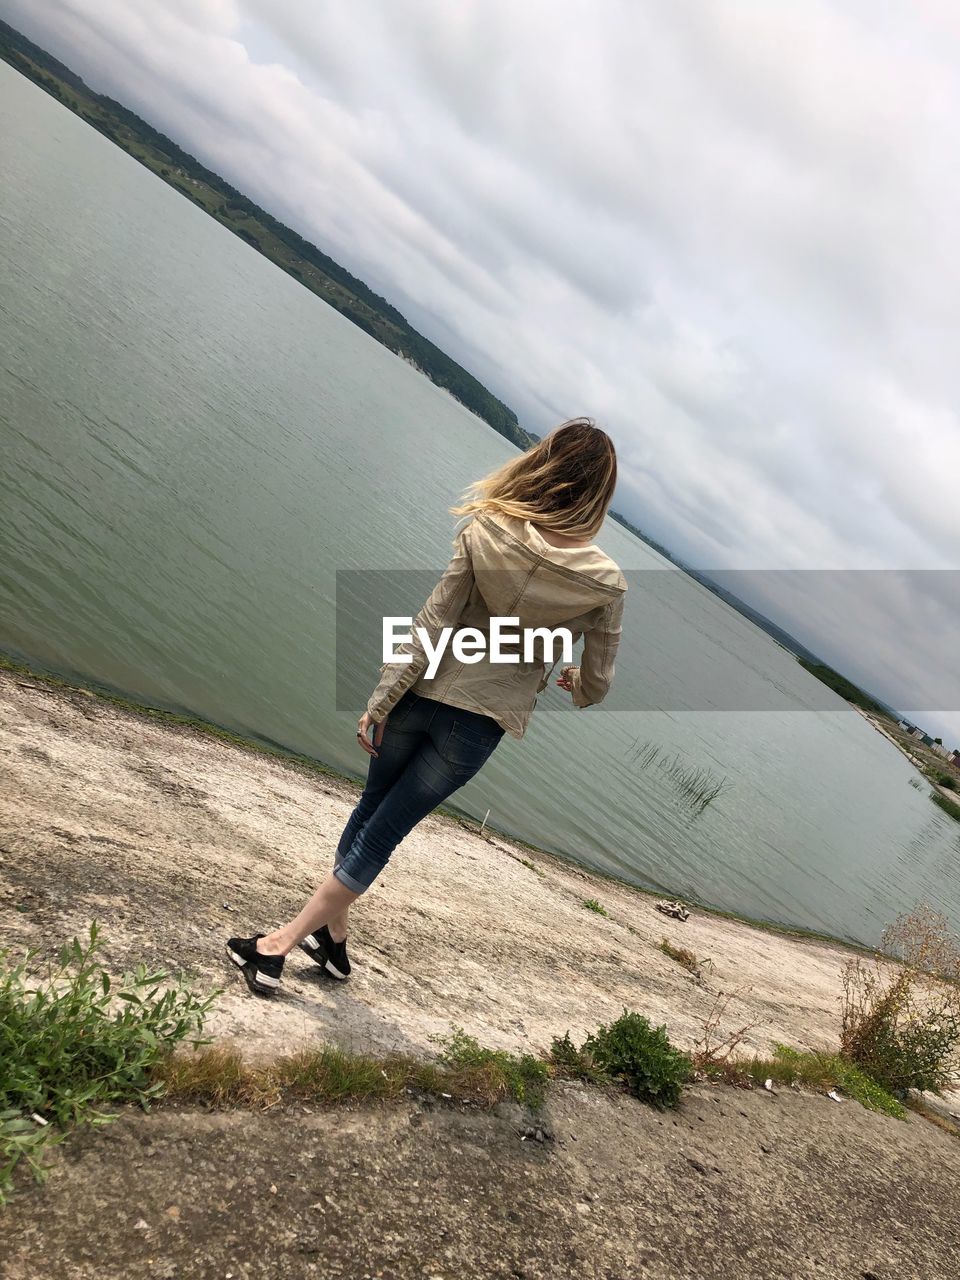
{"points": [[260, 229]]}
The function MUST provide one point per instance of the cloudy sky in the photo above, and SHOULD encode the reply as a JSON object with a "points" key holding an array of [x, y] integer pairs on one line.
{"points": [[725, 228]]}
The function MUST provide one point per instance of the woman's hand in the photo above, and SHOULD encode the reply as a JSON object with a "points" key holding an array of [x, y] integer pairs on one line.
{"points": [[566, 679], [364, 725]]}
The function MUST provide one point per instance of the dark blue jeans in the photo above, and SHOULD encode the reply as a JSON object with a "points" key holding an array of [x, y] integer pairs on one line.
{"points": [[429, 750]]}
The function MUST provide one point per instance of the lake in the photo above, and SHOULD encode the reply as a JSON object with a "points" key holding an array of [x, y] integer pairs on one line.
{"points": [[193, 445]]}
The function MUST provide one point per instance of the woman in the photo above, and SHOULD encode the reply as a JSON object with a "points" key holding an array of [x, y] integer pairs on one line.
{"points": [[526, 551]]}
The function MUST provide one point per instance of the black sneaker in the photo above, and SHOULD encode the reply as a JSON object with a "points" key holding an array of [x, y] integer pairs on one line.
{"points": [[262, 973], [330, 956]]}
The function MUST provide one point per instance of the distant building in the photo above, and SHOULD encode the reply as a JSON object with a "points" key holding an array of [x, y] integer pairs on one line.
{"points": [[941, 750], [955, 758], [916, 732], [926, 739]]}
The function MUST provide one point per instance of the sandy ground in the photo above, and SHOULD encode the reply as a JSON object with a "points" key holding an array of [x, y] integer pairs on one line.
{"points": [[172, 840]]}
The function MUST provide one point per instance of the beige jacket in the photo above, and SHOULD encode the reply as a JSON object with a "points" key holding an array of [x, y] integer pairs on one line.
{"points": [[502, 567]]}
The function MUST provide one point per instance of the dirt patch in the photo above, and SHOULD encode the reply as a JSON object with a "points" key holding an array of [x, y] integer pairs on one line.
{"points": [[752, 1185]]}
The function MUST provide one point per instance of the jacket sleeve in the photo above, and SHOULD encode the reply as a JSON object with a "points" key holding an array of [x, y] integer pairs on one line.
{"points": [[442, 609], [592, 679]]}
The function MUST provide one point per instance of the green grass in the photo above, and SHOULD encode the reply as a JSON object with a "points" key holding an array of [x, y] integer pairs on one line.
{"points": [[76, 1042], [591, 904], [820, 1071], [522, 1075], [950, 807], [465, 1071], [220, 1077]]}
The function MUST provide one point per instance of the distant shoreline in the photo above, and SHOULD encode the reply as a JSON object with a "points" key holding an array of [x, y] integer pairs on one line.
{"points": [[258, 228], [926, 763]]}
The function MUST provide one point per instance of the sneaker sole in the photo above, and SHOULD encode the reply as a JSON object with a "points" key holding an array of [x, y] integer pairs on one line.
{"points": [[261, 984], [334, 972]]}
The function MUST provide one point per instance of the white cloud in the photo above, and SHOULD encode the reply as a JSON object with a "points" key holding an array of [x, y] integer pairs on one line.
{"points": [[726, 231]]}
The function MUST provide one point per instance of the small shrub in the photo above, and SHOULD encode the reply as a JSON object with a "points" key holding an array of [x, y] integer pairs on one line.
{"points": [[945, 780], [76, 1042], [641, 1055], [592, 904], [900, 1023], [522, 1075]]}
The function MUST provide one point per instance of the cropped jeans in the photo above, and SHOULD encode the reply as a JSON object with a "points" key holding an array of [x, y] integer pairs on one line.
{"points": [[429, 750]]}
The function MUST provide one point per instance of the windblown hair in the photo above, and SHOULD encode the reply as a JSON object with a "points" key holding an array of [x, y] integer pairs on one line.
{"points": [[564, 483]]}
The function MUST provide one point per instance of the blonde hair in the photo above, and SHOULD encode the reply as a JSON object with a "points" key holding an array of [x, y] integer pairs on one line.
{"points": [[564, 483]]}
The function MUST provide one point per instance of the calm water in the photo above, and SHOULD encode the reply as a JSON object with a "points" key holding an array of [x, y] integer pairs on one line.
{"points": [[192, 445]]}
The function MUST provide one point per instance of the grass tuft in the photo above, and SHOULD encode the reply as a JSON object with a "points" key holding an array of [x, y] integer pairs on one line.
{"points": [[591, 904], [824, 1071], [522, 1075], [687, 959], [571, 1060], [465, 1071]]}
